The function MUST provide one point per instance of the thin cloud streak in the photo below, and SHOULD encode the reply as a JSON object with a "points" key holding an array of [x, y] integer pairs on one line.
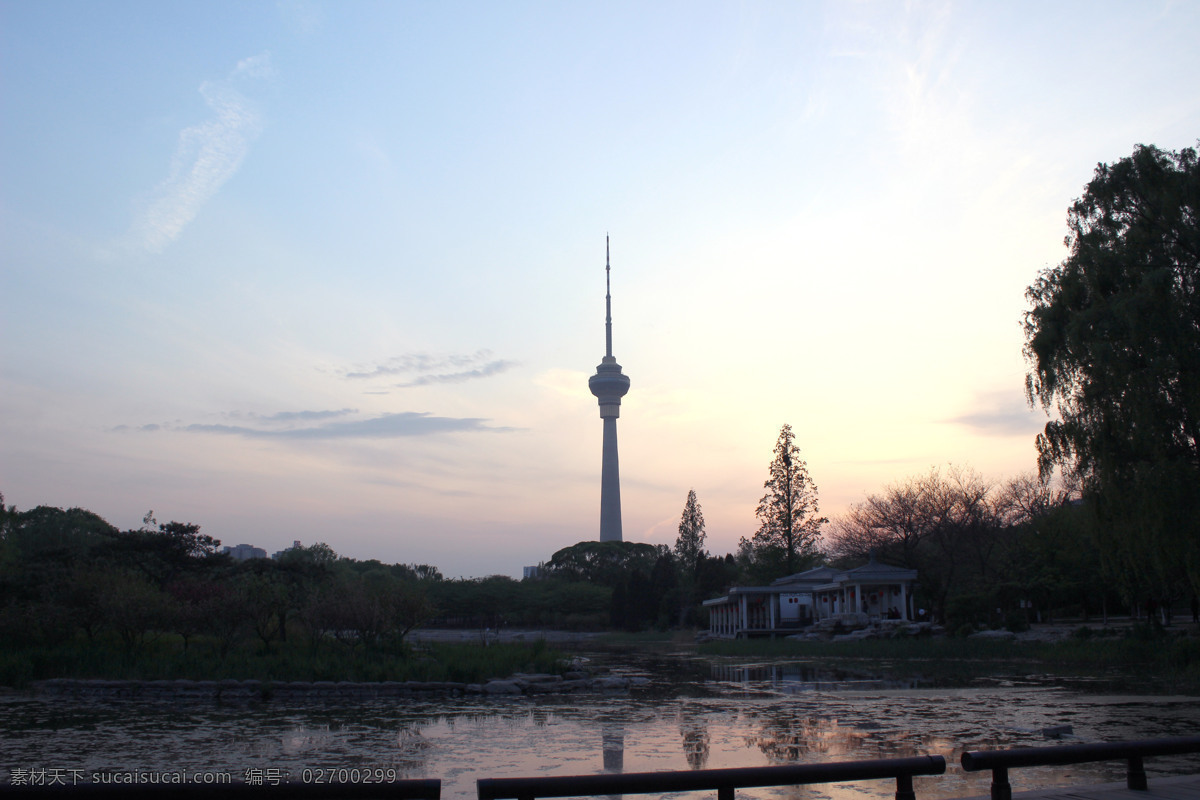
{"points": [[289, 416], [387, 426], [435, 369], [420, 362], [491, 368], [207, 156], [998, 415]]}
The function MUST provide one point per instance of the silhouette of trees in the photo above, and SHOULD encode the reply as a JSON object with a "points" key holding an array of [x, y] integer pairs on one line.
{"points": [[163, 553], [641, 600], [603, 563], [134, 608], [977, 544], [1113, 343], [498, 600]]}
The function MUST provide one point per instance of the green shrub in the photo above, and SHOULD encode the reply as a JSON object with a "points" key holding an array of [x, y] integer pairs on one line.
{"points": [[1016, 621]]}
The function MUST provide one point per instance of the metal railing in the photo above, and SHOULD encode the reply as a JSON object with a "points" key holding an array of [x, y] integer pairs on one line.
{"points": [[1001, 761], [722, 781], [424, 789]]}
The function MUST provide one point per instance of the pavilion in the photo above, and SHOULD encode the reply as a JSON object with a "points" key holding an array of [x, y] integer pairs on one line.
{"points": [[864, 594]]}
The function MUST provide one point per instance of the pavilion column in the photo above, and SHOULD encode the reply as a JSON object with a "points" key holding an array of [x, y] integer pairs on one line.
{"points": [[858, 599], [742, 622], [904, 601], [772, 599]]}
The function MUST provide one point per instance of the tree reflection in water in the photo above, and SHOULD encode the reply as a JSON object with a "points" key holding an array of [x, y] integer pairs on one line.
{"points": [[799, 677], [784, 738]]}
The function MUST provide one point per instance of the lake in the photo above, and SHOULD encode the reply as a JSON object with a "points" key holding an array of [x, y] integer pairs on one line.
{"points": [[688, 713]]}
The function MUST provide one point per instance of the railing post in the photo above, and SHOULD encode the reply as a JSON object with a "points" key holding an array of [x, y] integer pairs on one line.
{"points": [[904, 788], [1135, 778], [1001, 788], [725, 793]]}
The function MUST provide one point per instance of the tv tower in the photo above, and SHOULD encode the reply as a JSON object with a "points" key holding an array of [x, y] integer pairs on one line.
{"points": [[609, 386]]}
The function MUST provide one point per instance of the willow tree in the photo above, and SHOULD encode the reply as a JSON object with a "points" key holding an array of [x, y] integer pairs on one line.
{"points": [[1113, 340], [788, 515]]}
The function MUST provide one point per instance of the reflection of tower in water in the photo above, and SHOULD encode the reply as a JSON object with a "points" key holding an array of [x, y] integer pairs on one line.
{"points": [[612, 735], [695, 742]]}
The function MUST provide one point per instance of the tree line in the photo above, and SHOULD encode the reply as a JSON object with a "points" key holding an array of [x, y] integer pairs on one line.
{"points": [[70, 573]]}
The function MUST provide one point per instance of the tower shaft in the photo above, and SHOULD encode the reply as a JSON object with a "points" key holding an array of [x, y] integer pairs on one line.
{"points": [[610, 486]]}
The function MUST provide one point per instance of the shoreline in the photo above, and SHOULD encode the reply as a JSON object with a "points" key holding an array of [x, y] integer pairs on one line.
{"points": [[520, 684]]}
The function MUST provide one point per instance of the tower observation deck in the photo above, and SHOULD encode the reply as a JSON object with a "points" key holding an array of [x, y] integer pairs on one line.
{"points": [[609, 386]]}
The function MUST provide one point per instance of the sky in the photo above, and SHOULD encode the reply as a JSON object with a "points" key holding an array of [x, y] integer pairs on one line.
{"points": [[334, 272]]}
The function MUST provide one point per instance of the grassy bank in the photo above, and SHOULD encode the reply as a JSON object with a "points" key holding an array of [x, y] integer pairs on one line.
{"points": [[165, 660], [1172, 661], [645, 640]]}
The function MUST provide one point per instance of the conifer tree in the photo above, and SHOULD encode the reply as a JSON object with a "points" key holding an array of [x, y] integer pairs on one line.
{"points": [[689, 547], [788, 514]]}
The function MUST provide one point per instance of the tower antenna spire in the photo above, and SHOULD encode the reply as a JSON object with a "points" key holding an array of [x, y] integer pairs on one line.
{"points": [[607, 303]]}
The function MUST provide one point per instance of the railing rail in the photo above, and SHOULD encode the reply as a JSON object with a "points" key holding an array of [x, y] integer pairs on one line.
{"points": [[723, 781], [419, 789], [1001, 761]]}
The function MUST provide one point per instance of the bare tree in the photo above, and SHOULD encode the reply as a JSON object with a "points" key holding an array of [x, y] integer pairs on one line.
{"points": [[949, 525]]}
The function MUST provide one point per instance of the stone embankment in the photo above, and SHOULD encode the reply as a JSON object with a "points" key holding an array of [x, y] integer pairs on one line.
{"points": [[519, 684], [849, 629]]}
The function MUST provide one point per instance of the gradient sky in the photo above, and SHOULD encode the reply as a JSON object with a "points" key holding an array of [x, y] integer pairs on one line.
{"points": [[335, 271]]}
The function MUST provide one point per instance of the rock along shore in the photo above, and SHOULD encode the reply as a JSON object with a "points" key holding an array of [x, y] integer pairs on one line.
{"points": [[520, 684]]}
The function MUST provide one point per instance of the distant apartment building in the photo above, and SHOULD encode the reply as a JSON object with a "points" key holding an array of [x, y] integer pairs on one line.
{"points": [[533, 572], [279, 553], [244, 552]]}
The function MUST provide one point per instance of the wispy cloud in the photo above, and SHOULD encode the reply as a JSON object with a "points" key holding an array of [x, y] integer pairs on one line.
{"points": [[431, 369], [291, 416], [386, 426], [490, 368], [207, 156], [1000, 414], [327, 425]]}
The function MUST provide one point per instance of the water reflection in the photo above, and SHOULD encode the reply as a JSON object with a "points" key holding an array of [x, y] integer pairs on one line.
{"points": [[743, 715], [613, 738], [696, 740], [796, 677]]}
